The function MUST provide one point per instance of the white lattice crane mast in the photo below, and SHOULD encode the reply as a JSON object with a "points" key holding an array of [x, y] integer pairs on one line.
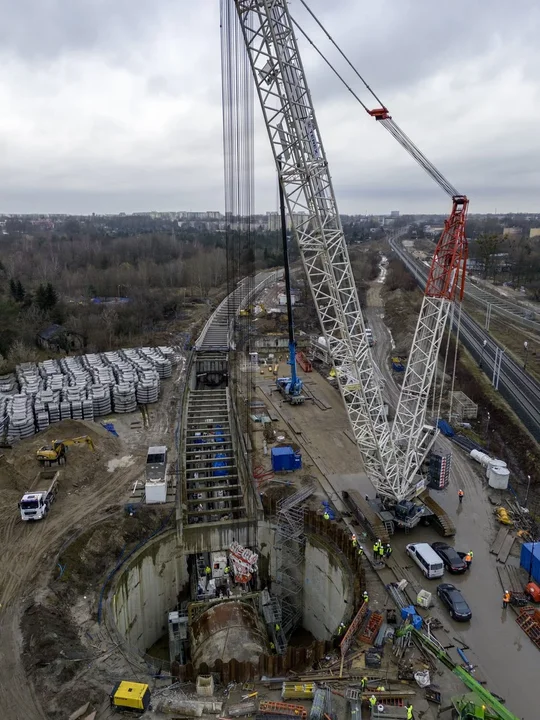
{"points": [[303, 171]]}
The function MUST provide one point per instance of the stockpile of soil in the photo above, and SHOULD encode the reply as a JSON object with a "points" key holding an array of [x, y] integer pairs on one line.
{"points": [[84, 465]]}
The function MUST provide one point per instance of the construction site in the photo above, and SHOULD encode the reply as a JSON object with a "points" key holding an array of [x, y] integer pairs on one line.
{"points": [[280, 526]]}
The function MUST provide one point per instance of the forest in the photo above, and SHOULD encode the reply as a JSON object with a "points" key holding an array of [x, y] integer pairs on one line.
{"points": [[169, 282]]}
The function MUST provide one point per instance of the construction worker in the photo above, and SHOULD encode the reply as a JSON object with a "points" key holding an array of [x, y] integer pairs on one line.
{"points": [[365, 596], [208, 573], [272, 646], [227, 570], [363, 684], [506, 599], [326, 515], [468, 560], [354, 540], [376, 548], [381, 551], [341, 628], [410, 715], [387, 551], [277, 627], [381, 688], [460, 495], [372, 701], [360, 551]]}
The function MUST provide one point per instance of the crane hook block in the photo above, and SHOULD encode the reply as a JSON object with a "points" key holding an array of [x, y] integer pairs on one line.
{"points": [[380, 114]]}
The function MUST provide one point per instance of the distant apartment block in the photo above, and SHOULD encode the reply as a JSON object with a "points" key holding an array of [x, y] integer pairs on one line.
{"points": [[273, 220]]}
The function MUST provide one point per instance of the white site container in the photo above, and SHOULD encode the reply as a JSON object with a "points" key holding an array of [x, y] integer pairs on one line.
{"points": [[155, 491], [480, 457], [424, 599], [493, 464], [499, 478]]}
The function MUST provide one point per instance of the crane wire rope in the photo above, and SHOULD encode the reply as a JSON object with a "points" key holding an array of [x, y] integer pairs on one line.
{"points": [[238, 151], [382, 117]]}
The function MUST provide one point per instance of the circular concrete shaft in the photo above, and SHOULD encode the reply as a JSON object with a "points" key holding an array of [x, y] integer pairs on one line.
{"points": [[227, 631]]}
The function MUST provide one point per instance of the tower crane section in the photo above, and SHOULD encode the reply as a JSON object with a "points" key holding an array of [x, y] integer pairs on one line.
{"points": [[304, 176]]}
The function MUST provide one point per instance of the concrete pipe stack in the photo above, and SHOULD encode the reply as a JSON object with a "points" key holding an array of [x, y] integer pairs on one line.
{"points": [[101, 399], [124, 398], [47, 401], [21, 417]]}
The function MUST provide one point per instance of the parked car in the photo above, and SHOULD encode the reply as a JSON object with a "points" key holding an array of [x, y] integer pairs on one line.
{"points": [[452, 560], [454, 601]]}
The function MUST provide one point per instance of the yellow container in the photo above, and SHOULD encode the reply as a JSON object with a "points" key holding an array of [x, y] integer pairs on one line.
{"points": [[130, 695]]}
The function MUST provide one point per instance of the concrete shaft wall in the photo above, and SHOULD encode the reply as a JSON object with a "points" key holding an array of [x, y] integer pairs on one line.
{"points": [[146, 590], [328, 589]]}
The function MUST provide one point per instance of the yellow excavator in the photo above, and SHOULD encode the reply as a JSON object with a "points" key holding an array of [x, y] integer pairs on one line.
{"points": [[56, 452]]}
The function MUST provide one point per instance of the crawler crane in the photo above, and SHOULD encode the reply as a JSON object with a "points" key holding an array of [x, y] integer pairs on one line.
{"points": [[392, 456]]}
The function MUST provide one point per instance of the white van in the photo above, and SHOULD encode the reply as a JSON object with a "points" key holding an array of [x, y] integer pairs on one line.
{"points": [[426, 558]]}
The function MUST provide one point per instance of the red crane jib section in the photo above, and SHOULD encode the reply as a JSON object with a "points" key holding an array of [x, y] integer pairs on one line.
{"points": [[448, 268]]}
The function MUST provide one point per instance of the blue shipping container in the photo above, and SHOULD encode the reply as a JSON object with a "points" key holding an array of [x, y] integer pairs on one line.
{"points": [[284, 459], [530, 559]]}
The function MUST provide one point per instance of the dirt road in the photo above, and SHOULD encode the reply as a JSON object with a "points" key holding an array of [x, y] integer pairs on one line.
{"points": [[25, 564]]}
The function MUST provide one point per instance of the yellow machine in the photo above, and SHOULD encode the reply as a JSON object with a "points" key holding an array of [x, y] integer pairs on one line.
{"points": [[56, 452], [130, 696]]}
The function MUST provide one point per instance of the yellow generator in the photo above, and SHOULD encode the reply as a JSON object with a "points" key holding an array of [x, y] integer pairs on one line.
{"points": [[130, 696]]}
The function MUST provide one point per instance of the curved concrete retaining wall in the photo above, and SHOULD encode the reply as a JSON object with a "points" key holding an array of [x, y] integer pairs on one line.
{"points": [[328, 589], [146, 590]]}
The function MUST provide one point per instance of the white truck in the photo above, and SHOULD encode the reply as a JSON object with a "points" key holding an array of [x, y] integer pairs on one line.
{"points": [[37, 501]]}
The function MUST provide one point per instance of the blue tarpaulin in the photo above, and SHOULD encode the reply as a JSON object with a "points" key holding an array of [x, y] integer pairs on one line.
{"points": [[445, 428]]}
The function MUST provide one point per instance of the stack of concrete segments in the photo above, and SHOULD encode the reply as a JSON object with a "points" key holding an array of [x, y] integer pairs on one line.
{"points": [[21, 417], [163, 361], [148, 387], [47, 401], [8, 385], [101, 399], [65, 410], [124, 398], [81, 387], [3, 417], [30, 381], [75, 395]]}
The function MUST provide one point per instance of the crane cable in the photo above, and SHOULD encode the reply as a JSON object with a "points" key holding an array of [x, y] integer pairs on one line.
{"points": [[382, 117]]}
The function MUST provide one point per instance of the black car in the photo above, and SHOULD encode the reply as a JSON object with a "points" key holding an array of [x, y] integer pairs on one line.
{"points": [[453, 562], [454, 601]]}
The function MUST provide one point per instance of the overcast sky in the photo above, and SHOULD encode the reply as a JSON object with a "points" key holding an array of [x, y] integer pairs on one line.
{"points": [[116, 106]]}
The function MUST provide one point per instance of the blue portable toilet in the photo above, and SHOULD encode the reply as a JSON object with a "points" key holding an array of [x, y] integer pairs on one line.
{"points": [[284, 459]]}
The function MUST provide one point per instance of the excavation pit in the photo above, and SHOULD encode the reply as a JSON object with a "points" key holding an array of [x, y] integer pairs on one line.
{"points": [[215, 625]]}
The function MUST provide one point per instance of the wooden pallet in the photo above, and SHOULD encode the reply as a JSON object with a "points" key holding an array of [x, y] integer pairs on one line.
{"points": [[504, 552], [529, 621], [495, 549]]}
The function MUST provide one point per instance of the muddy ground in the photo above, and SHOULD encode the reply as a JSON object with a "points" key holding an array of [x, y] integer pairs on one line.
{"points": [[54, 656]]}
